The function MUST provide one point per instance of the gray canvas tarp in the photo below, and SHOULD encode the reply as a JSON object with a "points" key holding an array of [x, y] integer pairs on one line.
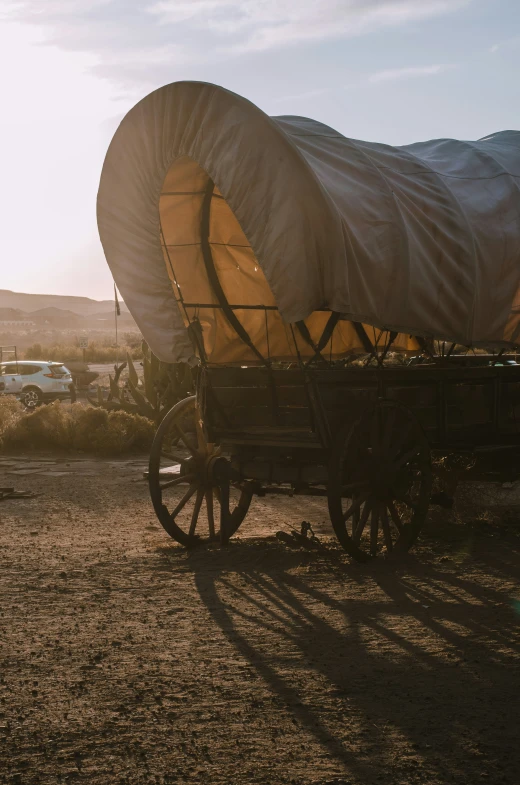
{"points": [[422, 239]]}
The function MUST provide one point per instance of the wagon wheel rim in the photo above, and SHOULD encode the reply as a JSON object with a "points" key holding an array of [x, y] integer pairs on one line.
{"points": [[380, 482], [182, 485]]}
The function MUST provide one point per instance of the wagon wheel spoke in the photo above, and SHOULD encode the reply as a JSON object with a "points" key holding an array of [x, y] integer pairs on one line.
{"points": [[400, 440], [386, 528], [406, 500], [413, 452], [395, 516], [375, 430], [211, 517], [355, 518], [172, 456], [185, 499], [185, 440], [177, 481], [358, 531], [354, 507], [374, 529], [196, 511], [354, 486], [388, 430]]}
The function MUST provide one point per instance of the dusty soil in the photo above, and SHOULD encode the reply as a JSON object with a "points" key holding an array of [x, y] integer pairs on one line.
{"points": [[125, 659]]}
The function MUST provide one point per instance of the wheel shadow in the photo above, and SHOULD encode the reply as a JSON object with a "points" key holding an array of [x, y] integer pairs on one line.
{"points": [[408, 657]]}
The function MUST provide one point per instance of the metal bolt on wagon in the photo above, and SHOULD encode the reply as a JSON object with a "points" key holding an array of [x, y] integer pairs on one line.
{"points": [[292, 267]]}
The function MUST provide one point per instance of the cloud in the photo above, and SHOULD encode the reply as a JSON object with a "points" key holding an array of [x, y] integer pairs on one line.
{"points": [[137, 40], [306, 95], [389, 75], [393, 74], [509, 43], [264, 24]]}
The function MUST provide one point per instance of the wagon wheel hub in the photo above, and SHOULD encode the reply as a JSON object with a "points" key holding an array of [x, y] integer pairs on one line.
{"points": [[209, 463], [202, 461], [207, 456]]}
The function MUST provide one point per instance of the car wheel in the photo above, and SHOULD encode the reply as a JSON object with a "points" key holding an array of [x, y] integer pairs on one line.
{"points": [[32, 397]]}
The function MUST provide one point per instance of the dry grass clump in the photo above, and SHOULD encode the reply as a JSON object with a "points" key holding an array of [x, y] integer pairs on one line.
{"points": [[11, 411], [110, 433], [73, 427], [97, 352]]}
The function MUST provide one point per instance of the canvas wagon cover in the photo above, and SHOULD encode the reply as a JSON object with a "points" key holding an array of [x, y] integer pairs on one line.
{"points": [[422, 239]]}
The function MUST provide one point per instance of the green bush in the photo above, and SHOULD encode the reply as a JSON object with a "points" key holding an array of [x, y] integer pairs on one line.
{"points": [[73, 427]]}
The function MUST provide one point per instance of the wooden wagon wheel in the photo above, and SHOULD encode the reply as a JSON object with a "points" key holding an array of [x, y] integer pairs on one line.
{"points": [[380, 481], [188, 479]]}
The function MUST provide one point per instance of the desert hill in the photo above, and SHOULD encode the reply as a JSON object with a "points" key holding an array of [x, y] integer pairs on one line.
{"points": [[57, 312], [82, 306], [56, 316], [12, 314]]}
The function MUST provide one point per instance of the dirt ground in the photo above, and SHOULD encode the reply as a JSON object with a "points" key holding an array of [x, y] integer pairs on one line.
{"points": [[126, 659]]}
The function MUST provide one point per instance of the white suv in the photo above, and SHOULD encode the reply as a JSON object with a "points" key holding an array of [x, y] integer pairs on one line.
{"points": [[42, 381], [11, 383]]}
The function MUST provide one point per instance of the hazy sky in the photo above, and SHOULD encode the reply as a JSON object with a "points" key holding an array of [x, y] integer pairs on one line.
{"points": [[396, 71]]}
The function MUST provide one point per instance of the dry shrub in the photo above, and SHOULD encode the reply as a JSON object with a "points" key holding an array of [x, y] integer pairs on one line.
{"points": [[47, 427], [112, 433], [11, 411], [77, 428], [97, 352]]}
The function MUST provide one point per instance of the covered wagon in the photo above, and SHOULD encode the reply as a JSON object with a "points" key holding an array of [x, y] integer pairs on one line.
{"points": [[291, 267]]}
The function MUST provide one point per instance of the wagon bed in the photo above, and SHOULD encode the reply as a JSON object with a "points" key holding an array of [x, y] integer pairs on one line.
{"points": [[456, 406]]}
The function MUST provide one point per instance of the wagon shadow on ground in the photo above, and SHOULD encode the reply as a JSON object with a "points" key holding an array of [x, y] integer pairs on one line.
{"points": [[413, 656]]}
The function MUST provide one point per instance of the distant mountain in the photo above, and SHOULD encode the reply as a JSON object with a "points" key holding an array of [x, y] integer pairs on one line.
{"points": [[58, 317], [12, 314], [82, 306]]}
